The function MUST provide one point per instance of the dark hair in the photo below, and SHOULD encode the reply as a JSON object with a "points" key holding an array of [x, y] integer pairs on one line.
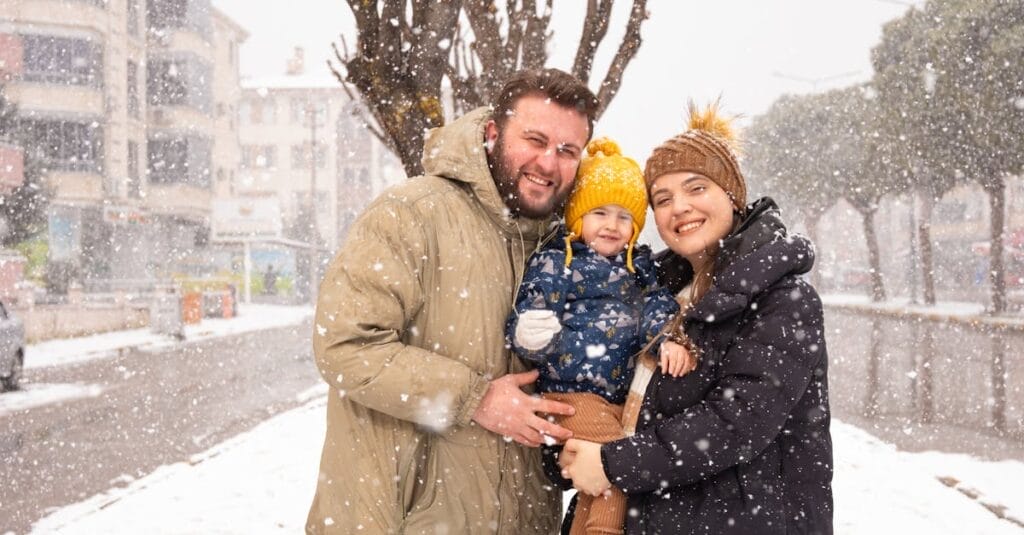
{"points": [[561, 87]]}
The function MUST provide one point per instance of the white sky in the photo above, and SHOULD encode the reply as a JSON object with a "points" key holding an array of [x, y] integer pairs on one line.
{"points": [[749, 51]]}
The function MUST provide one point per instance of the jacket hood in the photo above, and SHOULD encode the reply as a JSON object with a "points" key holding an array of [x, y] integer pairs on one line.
{"points": [[758, 253], [755, 255], [456, 152]]}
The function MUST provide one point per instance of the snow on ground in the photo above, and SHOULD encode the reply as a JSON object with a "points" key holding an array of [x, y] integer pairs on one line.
{"points": [[900, 304], [262, 482], [35, 395], [73, 350], [879, 489]]}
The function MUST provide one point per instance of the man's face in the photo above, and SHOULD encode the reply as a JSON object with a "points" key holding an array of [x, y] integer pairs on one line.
{"points": [[534, 158]]}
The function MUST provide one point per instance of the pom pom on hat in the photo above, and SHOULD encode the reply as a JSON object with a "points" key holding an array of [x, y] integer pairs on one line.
{"points": [[707, 147], [607, 177]]}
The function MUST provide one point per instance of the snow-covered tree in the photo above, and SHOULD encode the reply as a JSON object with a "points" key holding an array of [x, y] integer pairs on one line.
{"points": [[407, 50]]}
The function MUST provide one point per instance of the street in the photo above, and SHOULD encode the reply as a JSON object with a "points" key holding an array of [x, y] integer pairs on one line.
{"points": [[927, 385], [153, 408]]}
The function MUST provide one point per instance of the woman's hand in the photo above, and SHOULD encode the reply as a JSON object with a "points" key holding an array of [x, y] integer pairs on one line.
{"points": [[581, 462], [676, 360]]}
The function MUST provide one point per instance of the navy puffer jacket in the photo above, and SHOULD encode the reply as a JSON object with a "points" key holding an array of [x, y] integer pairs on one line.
{"points": [[607, 315]]}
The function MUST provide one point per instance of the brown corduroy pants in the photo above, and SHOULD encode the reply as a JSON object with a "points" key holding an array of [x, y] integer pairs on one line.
{"points": [[596, 420]]}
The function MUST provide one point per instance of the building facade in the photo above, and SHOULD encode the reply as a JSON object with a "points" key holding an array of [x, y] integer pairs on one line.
{"points": [[131, 106], [303, 141]]}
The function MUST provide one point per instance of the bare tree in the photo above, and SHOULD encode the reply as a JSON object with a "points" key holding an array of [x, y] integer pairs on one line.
{"points": [[407, 49]]}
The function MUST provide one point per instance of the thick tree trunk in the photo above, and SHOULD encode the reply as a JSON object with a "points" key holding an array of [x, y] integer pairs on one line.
{"points": [[997, 273], [924, 241], [873, 394], [925, 378], [874, 257], [999, 381], [812, 231]]}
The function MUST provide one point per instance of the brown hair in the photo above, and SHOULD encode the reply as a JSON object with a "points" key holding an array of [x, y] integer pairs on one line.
{"points": [[561, 87]]}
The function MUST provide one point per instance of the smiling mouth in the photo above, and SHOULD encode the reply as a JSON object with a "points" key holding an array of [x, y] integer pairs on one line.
{"points": [[687, 228], [538, 180]]}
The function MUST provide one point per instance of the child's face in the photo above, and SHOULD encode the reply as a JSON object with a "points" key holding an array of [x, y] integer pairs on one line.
{"points": [[607, 229]]}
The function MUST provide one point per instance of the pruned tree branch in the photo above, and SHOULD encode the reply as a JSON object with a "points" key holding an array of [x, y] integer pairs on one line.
{"points": [[595, 27], [406, 48], [535, 38], [627, 50], [377, 132]]}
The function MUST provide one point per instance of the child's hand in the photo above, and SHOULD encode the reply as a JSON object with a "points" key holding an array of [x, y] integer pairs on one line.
{"points": [[536, 328], [676, 360]]}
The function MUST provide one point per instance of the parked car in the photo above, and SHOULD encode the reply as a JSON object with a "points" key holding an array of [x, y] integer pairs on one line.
{"points": [[12, 349]]}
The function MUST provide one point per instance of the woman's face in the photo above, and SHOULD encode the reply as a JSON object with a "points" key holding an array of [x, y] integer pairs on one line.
{"points": [[692, 214]]}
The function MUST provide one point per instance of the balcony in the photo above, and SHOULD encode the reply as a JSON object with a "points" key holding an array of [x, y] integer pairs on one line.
{"points": [[182, 200], [178, 118], [90, 14], [63, 99], [76, 186]]}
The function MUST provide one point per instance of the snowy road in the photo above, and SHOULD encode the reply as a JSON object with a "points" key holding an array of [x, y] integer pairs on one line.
{"points": [[262, 482], [121, 417]]}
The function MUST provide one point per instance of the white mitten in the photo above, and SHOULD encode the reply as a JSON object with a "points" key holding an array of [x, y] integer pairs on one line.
{"points": [[536, 328]]}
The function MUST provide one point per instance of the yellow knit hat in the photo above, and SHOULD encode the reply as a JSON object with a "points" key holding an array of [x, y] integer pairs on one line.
{"points": [[606, 177]]}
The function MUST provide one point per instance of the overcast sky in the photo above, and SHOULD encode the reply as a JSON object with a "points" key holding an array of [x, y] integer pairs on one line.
{"points": [[749, 51]]}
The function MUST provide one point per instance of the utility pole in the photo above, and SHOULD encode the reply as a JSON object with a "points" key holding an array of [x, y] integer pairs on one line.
{"points": [[314, 237]]}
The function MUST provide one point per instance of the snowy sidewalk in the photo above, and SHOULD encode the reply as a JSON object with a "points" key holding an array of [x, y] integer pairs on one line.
{"points": [[262, 482], [105, 345]]}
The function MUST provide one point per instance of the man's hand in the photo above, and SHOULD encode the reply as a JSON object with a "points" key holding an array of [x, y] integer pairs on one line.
{"points": [[507, 410], [583, 466], [536, 328]]}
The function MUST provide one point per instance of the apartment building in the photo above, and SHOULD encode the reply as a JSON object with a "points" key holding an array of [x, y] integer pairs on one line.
{"points": [[304, 143], [131, 105]]}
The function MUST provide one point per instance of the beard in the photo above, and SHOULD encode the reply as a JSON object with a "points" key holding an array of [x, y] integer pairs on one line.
{"points": [[507, 177]]}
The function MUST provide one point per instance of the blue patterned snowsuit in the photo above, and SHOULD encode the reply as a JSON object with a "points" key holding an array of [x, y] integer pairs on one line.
{"points": [[607, 314]]}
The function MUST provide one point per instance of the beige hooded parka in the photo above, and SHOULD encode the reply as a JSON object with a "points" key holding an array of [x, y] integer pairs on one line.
{"points": [[409, 330]]}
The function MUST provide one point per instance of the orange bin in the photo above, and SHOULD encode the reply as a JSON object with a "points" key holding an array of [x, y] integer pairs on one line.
{"points": [[227, 305], [192, 307]]}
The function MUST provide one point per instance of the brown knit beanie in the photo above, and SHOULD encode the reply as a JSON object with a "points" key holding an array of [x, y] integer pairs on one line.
{"points": [[707, 147]]}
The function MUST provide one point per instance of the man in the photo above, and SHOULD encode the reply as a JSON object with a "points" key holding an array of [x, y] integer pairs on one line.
{"points": [[428, 429]]}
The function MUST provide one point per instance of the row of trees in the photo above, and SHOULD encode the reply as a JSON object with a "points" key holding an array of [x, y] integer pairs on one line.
{"points": [[944, 108]]}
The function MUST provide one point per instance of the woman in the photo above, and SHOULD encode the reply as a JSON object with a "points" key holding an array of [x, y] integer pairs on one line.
{"points": [[742, 444]]}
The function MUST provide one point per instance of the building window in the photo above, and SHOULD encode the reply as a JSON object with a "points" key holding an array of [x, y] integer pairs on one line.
{"points": [[179, 160], [134, 184], [301, 157], [66, 145], [194, 15], [180, 81], [259, 156], [353, 140], [133, 17], [62, 60], [300, 111], [258, 111], [133, 89]]}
